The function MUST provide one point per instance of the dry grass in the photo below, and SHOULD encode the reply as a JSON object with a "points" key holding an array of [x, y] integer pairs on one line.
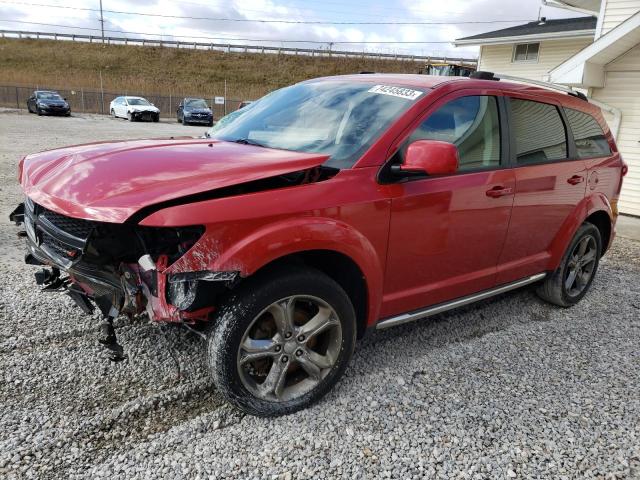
{"points": [[146, 70]]}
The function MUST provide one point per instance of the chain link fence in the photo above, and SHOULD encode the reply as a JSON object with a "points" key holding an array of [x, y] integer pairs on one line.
{"points": [[97, 101]]}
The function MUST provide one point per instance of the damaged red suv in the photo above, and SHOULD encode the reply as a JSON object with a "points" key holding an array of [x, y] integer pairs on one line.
{"points": [[325, 209]]}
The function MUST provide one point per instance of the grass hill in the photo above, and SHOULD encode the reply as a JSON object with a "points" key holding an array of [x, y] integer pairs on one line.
{"points": [[146, 70]]}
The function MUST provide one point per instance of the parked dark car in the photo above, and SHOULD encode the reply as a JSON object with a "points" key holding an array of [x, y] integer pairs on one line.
{"points": [[194, 110], [45, 102]]}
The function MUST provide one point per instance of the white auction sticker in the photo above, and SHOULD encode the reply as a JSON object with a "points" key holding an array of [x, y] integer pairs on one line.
{"points": [[401, 92]]}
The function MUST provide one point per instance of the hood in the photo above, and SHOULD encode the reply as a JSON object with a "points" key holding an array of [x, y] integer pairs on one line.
{"points": [[197, 110], [143, 108], [109, 182], [52, 102]]}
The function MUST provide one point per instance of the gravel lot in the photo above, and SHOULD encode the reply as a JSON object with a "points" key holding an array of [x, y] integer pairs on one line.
{"points": [[509, 388]]}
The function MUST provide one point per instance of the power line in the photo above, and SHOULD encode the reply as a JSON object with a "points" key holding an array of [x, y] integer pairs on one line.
{"points": [[249, 20], [319, 42]]}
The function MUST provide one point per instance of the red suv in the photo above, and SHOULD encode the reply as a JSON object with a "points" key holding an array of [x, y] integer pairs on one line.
{"points": [[328, 208]]}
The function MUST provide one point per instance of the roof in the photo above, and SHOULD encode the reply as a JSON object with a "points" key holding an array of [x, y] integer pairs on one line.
{"points": [[556, 28], [399, 79]]}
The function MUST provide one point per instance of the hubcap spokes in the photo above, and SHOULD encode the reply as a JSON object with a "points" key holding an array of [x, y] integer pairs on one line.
{"points": [[581, 265], [289, 348]]}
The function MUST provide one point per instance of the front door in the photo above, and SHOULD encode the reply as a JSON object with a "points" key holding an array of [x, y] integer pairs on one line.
{"points": [[447, 232]]}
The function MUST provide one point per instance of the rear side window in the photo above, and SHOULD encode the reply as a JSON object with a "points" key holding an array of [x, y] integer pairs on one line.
{"points": [[588, 135], [539, 132], [471, 124]]}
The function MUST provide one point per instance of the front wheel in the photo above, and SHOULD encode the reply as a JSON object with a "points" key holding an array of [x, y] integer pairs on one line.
{"points": [[38, 111], [571, 281], [130, 116], [282, 341]]}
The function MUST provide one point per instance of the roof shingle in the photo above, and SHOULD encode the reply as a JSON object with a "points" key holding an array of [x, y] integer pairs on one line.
{"points": [[537, 28]]}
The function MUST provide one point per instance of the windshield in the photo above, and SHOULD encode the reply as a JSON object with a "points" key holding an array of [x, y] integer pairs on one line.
{"points": [[338, 119], [137, 101], [195, 103], [49, 96]]}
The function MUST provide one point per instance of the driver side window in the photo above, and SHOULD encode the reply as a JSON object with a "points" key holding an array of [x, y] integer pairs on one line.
{"points": [[472, 124]]}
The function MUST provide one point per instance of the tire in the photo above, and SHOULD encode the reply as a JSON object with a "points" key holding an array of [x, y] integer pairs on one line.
{"points": [[184, 122], [38, 111], [156, 118], [113, 113], [243, 314], [130, 117], [210, 124], [559, 288]]}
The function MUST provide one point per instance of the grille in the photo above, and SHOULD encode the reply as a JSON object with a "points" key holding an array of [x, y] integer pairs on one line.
{"points": [[57, 247], [74, 226]]}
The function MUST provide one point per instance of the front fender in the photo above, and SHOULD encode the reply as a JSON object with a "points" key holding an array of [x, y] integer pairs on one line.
{"points": [[589, 205], [246, 252]]}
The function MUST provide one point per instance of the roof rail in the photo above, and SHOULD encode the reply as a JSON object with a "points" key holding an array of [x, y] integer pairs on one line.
{"points": [[550, 86]]}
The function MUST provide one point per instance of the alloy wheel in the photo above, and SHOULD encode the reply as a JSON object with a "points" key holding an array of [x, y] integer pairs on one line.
{"points": [[289, 348], [581, 265]]}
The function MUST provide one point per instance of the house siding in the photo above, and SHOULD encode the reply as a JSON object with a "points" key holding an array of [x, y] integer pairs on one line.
{"points": [[622, 90], [498, 58], [617, 11]]}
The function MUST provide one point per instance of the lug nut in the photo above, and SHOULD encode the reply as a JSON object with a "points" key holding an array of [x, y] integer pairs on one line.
{"points": [[278, 348], [298, 353], [285, 359], [287, 335], [301, 338]]}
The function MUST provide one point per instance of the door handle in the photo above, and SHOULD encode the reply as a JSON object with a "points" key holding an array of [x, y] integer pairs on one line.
{"points": [[499, 191], [575, 180]]}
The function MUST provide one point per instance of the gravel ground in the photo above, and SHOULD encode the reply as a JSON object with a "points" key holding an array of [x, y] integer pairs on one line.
{"points": [[509, 388]]}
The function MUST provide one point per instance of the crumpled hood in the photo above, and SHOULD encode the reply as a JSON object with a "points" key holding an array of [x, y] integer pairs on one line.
{"points": [[111, 181]]}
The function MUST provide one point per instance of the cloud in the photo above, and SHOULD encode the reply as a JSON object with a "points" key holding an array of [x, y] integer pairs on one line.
{"points": [[274, 33]]}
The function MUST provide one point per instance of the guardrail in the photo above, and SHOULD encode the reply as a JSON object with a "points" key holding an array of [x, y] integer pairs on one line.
{"points": [[229, 47]]}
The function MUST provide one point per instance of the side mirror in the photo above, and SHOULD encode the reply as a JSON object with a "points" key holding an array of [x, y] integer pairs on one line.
{"points": [[428, 157], [65, 99]]}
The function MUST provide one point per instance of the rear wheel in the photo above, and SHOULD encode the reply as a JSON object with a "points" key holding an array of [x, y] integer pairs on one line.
{"points": [[571, 281], [282, 341]]}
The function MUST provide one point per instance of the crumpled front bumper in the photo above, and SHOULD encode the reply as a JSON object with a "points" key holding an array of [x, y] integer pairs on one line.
{"points": [[126, 288]]}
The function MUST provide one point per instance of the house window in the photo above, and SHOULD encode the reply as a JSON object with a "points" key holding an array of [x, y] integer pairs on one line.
{"points": [[526, 52]]}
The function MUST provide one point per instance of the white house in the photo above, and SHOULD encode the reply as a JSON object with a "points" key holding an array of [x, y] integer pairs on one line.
{"points": [[599, 53]]}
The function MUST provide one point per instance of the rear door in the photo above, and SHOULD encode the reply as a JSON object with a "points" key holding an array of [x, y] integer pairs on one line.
{"points": [[447, 232], [550, 182]]}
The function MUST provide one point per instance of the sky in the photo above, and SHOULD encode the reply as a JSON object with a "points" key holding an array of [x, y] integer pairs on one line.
{"points": [[245, 24]]}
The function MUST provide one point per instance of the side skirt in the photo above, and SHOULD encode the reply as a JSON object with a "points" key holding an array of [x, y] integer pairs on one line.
{"points": [[459, 302]]}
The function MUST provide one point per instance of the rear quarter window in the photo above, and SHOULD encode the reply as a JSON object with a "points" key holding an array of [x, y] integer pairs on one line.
{"points": [[588, 135]]}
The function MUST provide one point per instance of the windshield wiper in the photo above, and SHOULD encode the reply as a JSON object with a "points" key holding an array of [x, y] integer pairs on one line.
{"points": [[246, 141]]}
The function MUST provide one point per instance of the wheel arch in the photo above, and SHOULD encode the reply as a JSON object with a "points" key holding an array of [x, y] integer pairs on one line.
{"points": [[339, 267], [595, 209]]}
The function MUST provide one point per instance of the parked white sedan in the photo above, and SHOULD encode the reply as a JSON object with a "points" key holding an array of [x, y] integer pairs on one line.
{"points": [[134, 108]]}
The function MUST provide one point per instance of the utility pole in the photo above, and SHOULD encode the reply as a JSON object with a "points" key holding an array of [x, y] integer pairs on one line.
{"points": [[101, 21]]}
